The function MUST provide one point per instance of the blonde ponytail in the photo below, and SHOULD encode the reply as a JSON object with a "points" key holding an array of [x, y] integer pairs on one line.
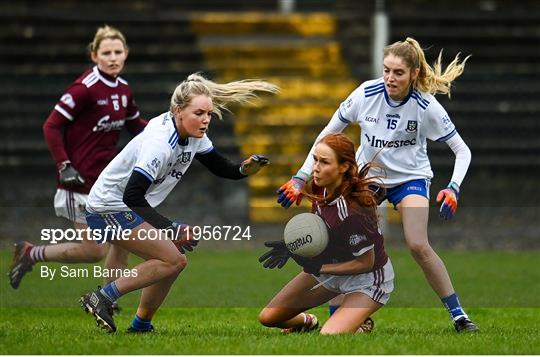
{"points": [[430, 79], [240, 92]]}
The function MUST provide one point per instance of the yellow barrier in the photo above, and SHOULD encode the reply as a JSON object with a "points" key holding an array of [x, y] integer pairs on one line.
{"points": [[298, 52]]}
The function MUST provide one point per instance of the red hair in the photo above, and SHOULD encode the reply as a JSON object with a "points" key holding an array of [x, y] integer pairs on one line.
{"points": [[355, 184]]}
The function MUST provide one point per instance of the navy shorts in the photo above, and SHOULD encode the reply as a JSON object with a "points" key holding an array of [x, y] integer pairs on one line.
{"points": [[106, 226], [420, 187]]}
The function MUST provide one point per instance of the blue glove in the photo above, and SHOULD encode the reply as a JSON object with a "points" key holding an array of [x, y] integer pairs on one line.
{"points": [[291, 191], [449, 198]]}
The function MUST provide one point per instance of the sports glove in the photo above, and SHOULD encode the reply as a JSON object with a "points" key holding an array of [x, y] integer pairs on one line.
{"points": [[291, 191], [449, 196], [68, 175], [309, 265], [183, 237], [253, 164], [275, 257], [279, 255]]}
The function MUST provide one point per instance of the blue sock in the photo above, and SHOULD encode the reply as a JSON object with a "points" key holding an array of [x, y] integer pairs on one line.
{"points": [[332, 309], [140, 324], [110, 291], [453, 306]]}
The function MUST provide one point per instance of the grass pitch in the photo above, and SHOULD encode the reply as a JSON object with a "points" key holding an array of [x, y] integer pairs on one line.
{"points": [[213, 308]]}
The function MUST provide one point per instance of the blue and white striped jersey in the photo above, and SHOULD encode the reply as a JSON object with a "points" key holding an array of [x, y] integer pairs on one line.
{"points": [[393, 133], [158, 153]]}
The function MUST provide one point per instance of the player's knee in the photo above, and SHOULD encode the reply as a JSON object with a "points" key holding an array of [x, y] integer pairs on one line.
{"points": [[333, 329], [268, 318], [329, 331], [420, 251], [119, 255], [94, 253], [176, 264]]}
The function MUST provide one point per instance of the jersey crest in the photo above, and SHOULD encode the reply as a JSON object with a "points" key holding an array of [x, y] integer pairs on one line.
{"points": [[185, 157], [411, 126]]}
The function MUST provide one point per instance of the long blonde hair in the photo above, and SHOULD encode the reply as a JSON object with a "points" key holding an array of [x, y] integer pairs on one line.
{"points": [[103, 33], [430, 79], [221, 94]]}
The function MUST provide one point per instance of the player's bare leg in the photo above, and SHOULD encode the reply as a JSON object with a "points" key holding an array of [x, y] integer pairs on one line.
{"points": [[88, 251], [355, 309], [151, 299], [414, 211], [286, 309], [27, 254], [116, 258], [335, 303], [163, 261], [153, 296]]}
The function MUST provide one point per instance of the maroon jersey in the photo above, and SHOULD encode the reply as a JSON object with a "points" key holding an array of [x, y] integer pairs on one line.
{"points": [[92, 112], [350, 232]]}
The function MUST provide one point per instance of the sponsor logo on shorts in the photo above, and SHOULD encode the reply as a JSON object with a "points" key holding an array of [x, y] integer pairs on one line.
{"points": [[129, 217], [414, 188]]}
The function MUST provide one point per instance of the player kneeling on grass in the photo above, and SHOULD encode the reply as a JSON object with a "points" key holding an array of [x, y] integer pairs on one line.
{"points": [[354, 263], [141, 177]]}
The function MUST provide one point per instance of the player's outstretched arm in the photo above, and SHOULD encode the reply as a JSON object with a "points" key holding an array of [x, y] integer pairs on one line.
{"points": [[290, 191], [449, 196], [223, 167], [253, 164]]}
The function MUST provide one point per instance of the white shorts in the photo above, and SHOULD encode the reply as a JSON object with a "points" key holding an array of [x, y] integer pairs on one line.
{"points": [[71, 205], [377, 284]]}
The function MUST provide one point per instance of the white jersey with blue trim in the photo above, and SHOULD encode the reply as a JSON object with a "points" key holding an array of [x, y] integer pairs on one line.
{"points": [[394, 133], [158, 153]]}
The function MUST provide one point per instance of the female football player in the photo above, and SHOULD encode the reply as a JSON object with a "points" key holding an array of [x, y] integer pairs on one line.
{"points": [[142, 175], [397, 113], [82, 133], [354, 263]]}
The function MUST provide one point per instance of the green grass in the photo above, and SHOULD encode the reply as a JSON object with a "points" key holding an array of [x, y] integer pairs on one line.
{"points": [[213, 308]]}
